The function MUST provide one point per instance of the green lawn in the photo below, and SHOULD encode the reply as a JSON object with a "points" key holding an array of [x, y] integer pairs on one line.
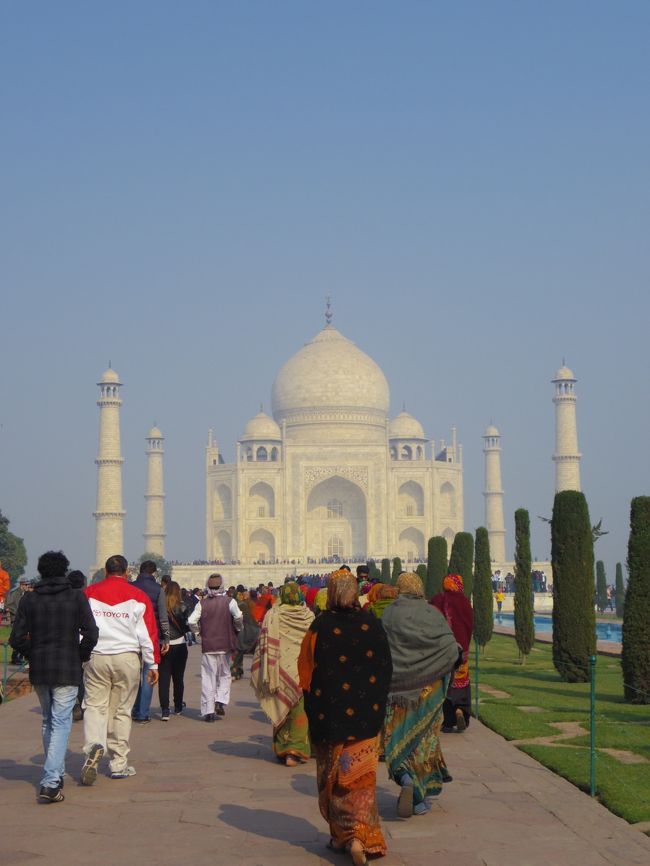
{"points": [[623, 788]]}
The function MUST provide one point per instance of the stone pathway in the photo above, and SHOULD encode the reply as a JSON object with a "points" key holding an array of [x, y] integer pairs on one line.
{"points": [[213, 794]]}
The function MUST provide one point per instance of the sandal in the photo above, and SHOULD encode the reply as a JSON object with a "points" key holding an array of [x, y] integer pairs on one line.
{"points": [[291, 761]]}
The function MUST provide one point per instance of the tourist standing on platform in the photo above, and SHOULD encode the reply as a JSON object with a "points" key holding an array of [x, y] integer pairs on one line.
{"points": [[127, 632], [274, 674], [172, 664], [424, 653], [154, 591], [345, 671], [457, 610], [219, 619], [55, 630]]}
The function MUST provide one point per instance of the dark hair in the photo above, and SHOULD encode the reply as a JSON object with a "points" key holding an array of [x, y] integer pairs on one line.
{"points": [[362, 569], [166, 578], [116, 564], [77, 579], [54, 563], [148, 567], [344, 568]]}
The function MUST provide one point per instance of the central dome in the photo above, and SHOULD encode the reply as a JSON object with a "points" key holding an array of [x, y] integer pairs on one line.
{"points": [[330, 380]]}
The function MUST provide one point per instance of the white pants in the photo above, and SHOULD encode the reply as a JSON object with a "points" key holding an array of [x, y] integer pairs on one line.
{"points": [[215, 681]]}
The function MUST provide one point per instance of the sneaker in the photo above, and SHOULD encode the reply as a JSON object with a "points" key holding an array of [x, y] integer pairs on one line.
{"points": [[209, 717], [164, 716], [447, 729], [142, 721], [89, 769], [50, 795], [220, 710], [126, 773], [77, 712], [179, 710], [421, 808], [461, 724]]}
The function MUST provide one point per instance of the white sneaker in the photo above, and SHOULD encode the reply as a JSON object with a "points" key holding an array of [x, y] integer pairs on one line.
{"points": [[123, 774]]}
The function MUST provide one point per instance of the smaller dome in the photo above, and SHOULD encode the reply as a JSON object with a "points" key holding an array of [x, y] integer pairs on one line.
{"points": [[564, 373], [261, 427], [491, 431], [405, 426], [109, 377], [155, 433]]}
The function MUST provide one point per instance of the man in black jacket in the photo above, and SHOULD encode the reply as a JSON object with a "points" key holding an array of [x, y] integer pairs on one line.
{"points": [[49, 622], [147, 582]]}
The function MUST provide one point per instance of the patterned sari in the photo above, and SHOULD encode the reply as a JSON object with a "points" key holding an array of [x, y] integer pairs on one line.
{"points": [[411, 740], [346, 775]]}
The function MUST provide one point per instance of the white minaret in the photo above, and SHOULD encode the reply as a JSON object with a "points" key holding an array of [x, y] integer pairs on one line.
{"points": [[154, 529], [494, 495], [109, 516], [566, 457]]}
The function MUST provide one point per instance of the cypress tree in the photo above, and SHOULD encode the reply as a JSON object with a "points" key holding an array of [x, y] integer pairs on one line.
{"points": [[385, 570], [421, 571], [572, 555], [620, 591], [483, 604], [524, 613], [462, 558], [436, 564], [373, 571], [397, 569], [635, 657], [601, 586]]}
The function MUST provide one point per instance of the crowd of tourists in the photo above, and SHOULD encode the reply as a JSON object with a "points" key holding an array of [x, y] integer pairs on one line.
{"points": [[350, 673]]}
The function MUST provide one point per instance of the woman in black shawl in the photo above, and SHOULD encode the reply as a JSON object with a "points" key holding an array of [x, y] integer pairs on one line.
{"points": [[345, 670]]}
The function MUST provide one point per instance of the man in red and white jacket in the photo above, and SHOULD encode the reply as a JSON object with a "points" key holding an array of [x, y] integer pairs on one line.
{"points": [[128, 637]]}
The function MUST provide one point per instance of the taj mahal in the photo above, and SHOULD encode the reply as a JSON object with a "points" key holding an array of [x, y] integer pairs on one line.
{"points": [[327, 476]]}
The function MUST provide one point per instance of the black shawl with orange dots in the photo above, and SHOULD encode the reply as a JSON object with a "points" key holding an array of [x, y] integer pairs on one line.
{"points": [[345, 696]]}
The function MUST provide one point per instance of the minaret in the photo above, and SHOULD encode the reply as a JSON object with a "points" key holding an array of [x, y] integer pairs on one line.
{"points": [[154, 529], [494, 495], [109, 516], [566, 457]]}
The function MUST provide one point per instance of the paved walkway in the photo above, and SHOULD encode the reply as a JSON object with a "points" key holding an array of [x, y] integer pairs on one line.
{"points": [[213, 794]]}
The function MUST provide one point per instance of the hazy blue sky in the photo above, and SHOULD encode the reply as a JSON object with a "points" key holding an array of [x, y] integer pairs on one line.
{"points": [[182, 184]]}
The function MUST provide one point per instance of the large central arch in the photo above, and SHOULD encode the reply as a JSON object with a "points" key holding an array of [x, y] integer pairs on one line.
{"points": [[336, 519]]}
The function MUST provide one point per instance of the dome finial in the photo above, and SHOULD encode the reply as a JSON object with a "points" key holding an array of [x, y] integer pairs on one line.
{"points": [[110, 366], [328, 311], [261, 406]]}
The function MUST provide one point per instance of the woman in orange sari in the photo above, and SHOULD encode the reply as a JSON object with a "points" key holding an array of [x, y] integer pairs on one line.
{"points": [[345, 671]]}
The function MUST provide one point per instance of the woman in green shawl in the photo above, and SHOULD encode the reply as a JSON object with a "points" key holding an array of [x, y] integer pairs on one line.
{"points": [[424, 653], [274, 674]]}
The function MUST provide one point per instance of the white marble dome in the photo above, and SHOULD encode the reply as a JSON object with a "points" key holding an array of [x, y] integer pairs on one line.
{"points": [[109, 377], [564, 373], [405, 426], [330, 379], [261, 427], [155, 433], [491, 431]]}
